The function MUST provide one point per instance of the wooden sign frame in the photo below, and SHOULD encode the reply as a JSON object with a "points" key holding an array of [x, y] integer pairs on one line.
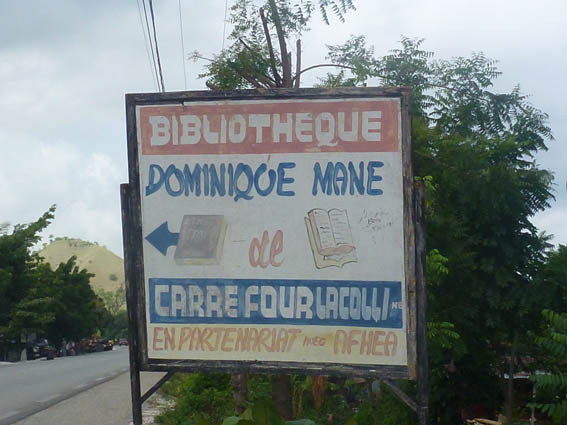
{"points": [[413, 264]]}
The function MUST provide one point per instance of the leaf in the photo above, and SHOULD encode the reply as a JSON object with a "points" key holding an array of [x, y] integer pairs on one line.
{"points": [[203, 420], [265, 413], [232, 420], [247, 414]]}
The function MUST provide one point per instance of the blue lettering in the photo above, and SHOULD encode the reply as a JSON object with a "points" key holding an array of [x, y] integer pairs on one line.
{"points": [[373, 178], [340, 167], [206, 180], [283, 180], [192, 180], [356, 179], [172, 170], [230, 180], [211, 180], [272, 180], [216, 184], [246, 170], [324, 181], [152, 185]]}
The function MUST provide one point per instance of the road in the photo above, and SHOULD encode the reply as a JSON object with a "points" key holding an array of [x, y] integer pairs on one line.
{"points": [[104, 404], [29, 387]]}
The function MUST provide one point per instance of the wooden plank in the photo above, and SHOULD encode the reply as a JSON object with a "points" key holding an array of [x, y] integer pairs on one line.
{"points": [[157, 386], [131, 307], [409, 231], [276, 93], [401, 395], [423, 363], [135, 222], [363, 371]]}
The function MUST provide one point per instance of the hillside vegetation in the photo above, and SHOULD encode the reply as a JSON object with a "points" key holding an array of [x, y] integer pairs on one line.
{"points": [[107, 267]]}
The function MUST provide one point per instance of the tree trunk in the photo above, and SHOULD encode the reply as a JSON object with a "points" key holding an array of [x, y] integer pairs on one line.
{"points": [[281, 395], [239, 391], [286, 62], [510, 383]]}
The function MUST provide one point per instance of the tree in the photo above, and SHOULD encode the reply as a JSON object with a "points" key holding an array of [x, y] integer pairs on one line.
{"points": [[114, 301], [554, 380], [251, 61], [74, 302], [19, 314], [56, 304], [552, 279], [116, 326], [475, 147]]}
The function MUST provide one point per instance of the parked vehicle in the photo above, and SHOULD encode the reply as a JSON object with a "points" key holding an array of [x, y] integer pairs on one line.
{"points": [[51, 354], [107, 344], [123, 341], [40, 348]]}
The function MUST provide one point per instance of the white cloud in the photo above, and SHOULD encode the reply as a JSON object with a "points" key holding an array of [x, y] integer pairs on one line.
{"points": [[66, 66], [85, 187], [553, 222]]}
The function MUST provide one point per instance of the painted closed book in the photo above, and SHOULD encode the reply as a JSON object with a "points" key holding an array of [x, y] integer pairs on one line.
{"points": [[201, 239]]}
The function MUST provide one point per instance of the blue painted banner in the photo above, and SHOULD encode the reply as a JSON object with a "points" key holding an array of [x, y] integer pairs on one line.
{"points": [[275, 301]]}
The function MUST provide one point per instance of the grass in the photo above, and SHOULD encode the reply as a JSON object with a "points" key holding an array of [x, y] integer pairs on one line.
{"points": [[107, 267]]}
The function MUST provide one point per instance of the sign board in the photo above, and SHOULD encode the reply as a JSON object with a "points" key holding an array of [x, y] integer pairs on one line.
{"points": [[274, 230]]}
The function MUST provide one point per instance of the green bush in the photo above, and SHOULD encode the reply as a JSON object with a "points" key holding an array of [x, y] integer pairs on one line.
{"points": [[393, 411], [207, 399], [200, 399]]}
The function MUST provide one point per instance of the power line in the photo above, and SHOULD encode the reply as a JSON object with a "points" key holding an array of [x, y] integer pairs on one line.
{"points": [[151, 45], [154, 76], [224, 23], [156, 45], [182, 45]]}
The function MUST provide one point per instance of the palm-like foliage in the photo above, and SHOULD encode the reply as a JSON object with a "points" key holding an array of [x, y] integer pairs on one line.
{"points": [[554, 342]]}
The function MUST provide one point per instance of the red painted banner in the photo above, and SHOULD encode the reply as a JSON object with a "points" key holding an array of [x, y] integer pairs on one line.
{"points": [[270, 127]]}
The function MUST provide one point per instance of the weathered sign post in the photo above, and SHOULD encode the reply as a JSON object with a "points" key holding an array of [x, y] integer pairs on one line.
{"points": [[274, 231]]}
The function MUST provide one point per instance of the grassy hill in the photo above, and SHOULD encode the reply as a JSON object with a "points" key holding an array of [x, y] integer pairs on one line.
{"points": [[107, 267]]}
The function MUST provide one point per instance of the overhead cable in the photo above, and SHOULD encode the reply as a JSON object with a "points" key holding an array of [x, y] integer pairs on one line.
{"points": [[152, 70], [151, 44], [224, 23], [156, 46]]}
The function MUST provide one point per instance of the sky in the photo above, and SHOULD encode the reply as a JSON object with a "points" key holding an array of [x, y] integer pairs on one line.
{"points": [[65, 67]]}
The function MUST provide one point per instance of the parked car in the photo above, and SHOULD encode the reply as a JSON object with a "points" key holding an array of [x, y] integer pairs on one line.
{"points": [[107, 344], [40, 348], [123, 341]]}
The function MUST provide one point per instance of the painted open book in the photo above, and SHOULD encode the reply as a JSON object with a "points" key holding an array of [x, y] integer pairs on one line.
{"points": [[330, 237], [201, 239]]}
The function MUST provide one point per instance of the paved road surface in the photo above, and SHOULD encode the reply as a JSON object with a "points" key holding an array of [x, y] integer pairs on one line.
{"points": [[29, 387], [105, 404]]}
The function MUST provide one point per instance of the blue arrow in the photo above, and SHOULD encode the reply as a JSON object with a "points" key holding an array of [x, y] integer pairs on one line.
{"points": [[162, 238]]}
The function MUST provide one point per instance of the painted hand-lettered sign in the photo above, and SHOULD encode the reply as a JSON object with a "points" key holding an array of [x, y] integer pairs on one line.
{"points": [[275, 228]]}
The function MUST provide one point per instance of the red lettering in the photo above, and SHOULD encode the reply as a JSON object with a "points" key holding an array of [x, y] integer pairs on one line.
{"points": [[169, 338], [276, 248], [340, 341], [156, 339], [226, 339], [257, 250], [242, 339], [184, 337], [391, 345], [377, 342], [293, 333]]}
